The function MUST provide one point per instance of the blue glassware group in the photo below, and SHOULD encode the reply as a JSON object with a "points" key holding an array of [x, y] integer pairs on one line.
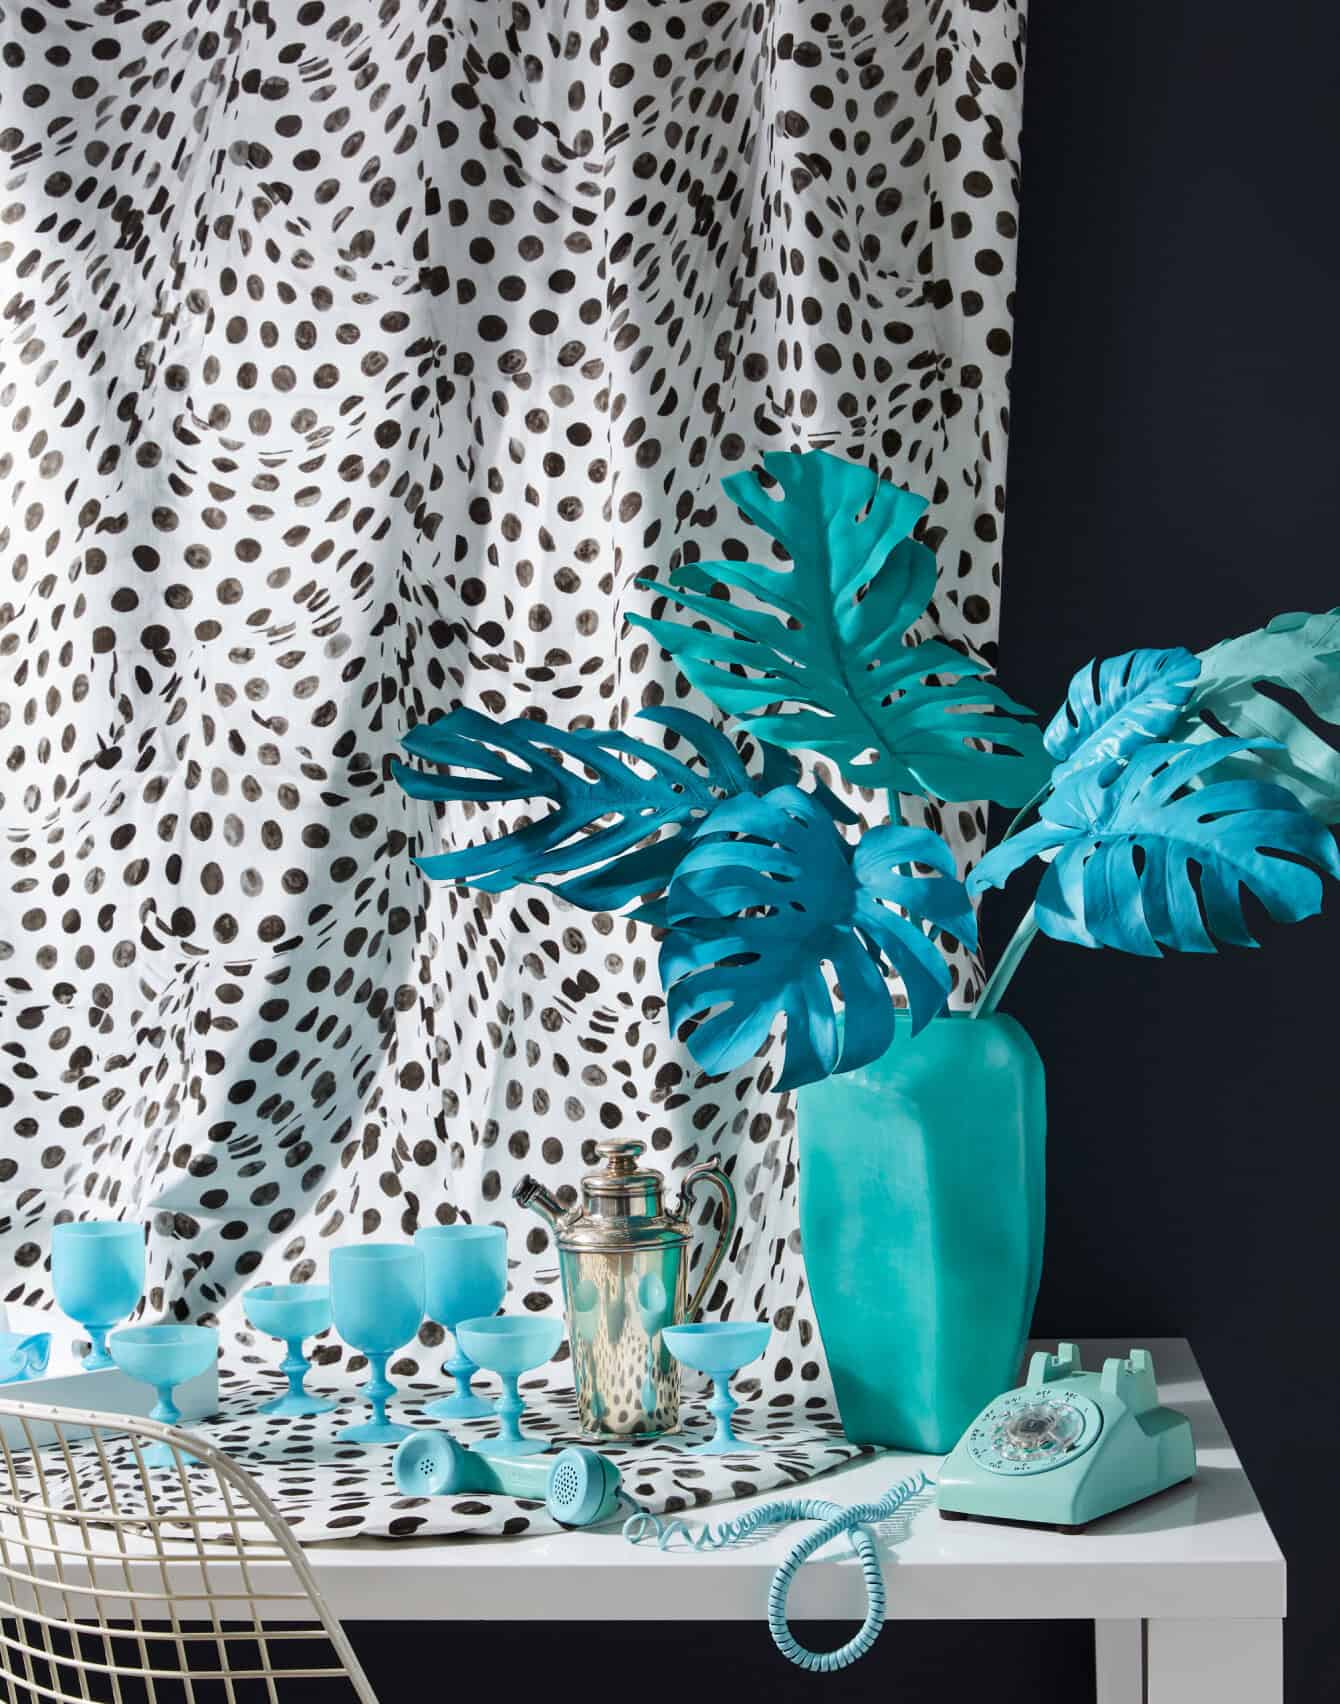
{"points": [[376, 1300]]}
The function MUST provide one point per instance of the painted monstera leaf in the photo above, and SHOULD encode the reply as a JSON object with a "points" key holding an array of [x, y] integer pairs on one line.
{"points": [[1145, 855], [768, 894], [828, 640], [605, 863], [1116, 706], [1281, 684]]}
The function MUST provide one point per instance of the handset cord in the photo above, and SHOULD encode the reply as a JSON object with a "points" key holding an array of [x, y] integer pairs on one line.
{"points": [[835, 1520]]}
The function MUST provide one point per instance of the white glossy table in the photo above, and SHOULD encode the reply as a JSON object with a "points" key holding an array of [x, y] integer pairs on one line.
{"points": [[1186, 1592]]}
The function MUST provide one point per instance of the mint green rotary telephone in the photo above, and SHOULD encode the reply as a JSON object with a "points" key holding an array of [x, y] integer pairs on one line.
{"points": [[1068, 1446]]}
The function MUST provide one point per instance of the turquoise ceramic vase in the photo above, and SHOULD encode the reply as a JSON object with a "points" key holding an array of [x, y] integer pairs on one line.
{"points": [[921, 1213]]}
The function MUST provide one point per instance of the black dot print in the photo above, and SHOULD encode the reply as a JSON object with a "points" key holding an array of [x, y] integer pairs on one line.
{"points": [[354, 363]]}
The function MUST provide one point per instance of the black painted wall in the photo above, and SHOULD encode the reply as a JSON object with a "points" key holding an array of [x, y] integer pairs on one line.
{"points": [[1174, 477]]}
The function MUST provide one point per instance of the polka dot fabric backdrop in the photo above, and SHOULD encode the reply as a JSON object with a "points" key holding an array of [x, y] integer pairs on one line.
{"points": [[356, 361]]}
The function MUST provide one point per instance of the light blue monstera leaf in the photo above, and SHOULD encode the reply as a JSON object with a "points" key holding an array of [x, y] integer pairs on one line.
{"points": [[1116, 706], [1281, 684], [1143, 855], [829, 640], [767, 895], [606, 863]]}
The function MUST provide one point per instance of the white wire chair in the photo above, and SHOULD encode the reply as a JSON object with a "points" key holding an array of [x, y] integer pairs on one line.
{"points": [[149, 1583]]}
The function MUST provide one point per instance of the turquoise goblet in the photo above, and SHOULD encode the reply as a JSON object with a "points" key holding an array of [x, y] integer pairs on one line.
{"points": [[466, 1271], [97, 1275], [509, 1345], [377, 1294], [719, 1348], [293, 1312], [164, 1356]]}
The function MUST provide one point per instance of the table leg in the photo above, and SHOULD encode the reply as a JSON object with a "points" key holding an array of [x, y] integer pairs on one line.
{"points": [[1215, 1662], [1119, 1661]]}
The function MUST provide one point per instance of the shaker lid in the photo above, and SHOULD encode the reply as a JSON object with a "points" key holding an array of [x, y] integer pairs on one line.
{"points": [[622, 1189], [622, 1207]]}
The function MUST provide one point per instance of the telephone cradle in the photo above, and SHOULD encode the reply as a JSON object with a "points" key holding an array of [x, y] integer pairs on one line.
{"points": [[1068, 1446]]}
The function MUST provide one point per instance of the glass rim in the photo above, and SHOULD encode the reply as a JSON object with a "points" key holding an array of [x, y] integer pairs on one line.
{"points": [[462, 1233], [506, 1325], [288, 1292], [99, 1227], [375, 1251], [716, 1327], [158, 1331]]}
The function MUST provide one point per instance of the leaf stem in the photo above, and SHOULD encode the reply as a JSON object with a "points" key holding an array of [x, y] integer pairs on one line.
{"points": [[1020, 818], [1010, 960]]}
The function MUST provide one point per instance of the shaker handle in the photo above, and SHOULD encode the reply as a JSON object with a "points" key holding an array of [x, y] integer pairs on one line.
{"points": [[709, 1171]]}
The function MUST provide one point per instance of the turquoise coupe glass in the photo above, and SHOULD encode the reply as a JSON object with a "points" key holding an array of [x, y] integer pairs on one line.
{"points": [[509, 1345], [293, 1312], [377, 1295], [719, 1348], [164, 1356], [466, 1272], [97, 1275]]}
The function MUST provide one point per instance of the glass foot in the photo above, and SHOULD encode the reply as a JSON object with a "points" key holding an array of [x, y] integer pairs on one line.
{"points": [[373, 1432], [96, 1361], [462, 1407], [298, 1407], [721, 1446], [513, 1446], [162, 1455]]}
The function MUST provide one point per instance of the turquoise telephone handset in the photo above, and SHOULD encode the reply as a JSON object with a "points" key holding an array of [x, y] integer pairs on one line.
{"points": [[1068, 1446]]}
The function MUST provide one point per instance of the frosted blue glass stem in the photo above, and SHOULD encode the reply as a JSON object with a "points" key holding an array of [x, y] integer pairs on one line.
{"points": [[722, 1405], [380, 1390], [510, 1410], [97, 1357], [295, 1365], [165, 1410], [461, 1368]]}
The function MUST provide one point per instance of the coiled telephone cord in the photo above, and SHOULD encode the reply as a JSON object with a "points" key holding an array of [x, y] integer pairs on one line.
{"points": [[834, 1520]]}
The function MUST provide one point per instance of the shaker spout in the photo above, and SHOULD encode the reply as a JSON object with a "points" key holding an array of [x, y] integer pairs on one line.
{"points": [[530, 1192]]}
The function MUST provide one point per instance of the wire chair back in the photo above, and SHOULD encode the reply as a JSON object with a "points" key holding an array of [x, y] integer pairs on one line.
{"points": [[121, 1582]]}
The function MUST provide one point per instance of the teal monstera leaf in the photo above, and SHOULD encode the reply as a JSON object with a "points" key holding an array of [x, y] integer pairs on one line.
{"points": [[1280, 684], [1146, 855], [828, 639], [1116, 706], [766, 896], [605, 862]]}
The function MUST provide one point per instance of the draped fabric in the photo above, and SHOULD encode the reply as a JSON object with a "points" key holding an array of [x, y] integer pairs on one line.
{"points": [[357, 359]]}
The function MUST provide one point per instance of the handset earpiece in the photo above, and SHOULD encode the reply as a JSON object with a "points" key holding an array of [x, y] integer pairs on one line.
{"points": [[583, 1488]]}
